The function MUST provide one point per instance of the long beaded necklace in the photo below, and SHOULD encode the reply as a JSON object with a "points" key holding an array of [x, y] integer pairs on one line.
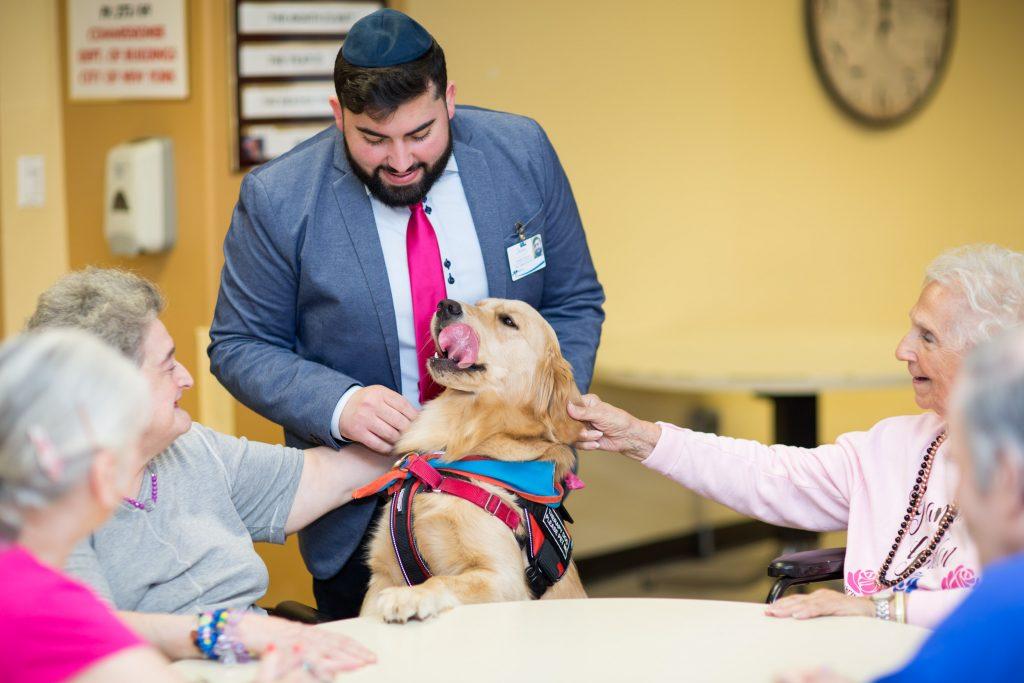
{"points": [[916, 500], [148, 505]]}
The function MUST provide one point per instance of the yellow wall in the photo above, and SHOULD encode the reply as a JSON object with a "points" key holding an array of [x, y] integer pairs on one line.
{"points": [[720, 187], [722, 192], [33, 240]]}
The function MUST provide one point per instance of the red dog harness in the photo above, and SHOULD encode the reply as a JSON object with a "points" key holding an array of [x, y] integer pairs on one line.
{"points": [[546, 542]]}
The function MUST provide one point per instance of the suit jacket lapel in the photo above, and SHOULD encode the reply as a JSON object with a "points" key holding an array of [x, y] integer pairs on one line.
{"points": [[357, 218], [483, 206]]}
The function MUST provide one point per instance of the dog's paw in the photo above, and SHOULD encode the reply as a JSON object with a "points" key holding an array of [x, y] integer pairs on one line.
{"points": [[400, 604]]}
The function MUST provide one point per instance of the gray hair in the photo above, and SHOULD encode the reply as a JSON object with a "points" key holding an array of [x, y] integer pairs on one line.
{"points": [[63, 396], [991, 280], [990, 399], [115, 305]]}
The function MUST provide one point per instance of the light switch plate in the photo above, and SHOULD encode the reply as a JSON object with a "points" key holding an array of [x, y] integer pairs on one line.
{"points": [[31, 181]]}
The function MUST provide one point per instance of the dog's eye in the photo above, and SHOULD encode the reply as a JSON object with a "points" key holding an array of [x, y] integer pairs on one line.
{"points": [[505, 320]]}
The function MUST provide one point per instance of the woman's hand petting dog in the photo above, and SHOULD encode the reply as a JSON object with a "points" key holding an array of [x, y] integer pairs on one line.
{"points": [[607, 428]]}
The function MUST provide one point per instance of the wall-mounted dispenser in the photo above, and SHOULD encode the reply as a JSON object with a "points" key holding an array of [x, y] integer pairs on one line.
{"points": [[140, 214]]}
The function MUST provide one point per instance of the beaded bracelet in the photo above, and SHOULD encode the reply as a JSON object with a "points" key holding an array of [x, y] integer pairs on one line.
{"points": [[229, 647], [208, 630], [216, 637]]}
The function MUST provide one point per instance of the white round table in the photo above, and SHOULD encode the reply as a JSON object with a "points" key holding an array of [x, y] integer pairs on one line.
{"points": [[612, 640]]}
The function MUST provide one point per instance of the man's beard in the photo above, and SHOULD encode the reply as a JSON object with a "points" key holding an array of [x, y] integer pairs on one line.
{"points": [[404, 195]]}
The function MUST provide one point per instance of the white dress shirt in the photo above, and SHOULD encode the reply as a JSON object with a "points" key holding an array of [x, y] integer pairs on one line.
{"points": [[462, 263]]}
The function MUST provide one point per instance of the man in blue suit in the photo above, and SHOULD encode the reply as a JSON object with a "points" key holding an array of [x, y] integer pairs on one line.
{"points": [[339, 250]]}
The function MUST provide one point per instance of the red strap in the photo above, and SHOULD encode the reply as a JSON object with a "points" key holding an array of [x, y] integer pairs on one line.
{"points": [[482, 498], [467, 491], [425, 472]]}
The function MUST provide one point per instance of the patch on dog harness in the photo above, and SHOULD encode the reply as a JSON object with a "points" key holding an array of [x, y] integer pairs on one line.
{"points": [[546, 542], [548, 547]]}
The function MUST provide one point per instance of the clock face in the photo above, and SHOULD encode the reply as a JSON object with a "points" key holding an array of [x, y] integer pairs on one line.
{"points": [[880, 59]]}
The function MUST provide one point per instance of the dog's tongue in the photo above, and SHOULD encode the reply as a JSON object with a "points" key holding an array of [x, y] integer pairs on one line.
{"points": [[460, 343]]}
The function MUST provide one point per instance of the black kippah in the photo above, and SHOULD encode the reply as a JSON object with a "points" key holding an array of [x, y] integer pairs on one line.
{"points": [[385, 38]]}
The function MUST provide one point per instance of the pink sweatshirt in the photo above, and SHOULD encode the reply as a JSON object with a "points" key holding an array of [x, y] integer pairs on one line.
{"points": [[861, 483], [52, 628]]}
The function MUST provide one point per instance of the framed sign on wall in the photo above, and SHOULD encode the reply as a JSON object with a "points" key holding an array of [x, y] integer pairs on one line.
{"points": [[127, 50], [284, 55]]}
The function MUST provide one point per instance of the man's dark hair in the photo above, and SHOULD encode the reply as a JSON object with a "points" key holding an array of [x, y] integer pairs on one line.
{"points": [[380, 91]]}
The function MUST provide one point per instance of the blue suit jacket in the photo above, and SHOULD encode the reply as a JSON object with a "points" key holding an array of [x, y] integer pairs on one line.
{"points": [[305, 312]]}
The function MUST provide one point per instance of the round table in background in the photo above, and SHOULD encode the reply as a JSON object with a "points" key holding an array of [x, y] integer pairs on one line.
{"points": [[611, 640]]}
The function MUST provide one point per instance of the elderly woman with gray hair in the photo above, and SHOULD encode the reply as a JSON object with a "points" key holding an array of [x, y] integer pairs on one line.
{"points": [[177, 557], [71, 413], [908, 554]]}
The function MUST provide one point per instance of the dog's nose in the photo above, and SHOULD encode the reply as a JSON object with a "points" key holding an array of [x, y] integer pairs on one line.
{"points": [[448, 309]]}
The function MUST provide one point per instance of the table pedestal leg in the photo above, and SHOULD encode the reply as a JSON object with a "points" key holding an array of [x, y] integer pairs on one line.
{"points": [[796, 424]]}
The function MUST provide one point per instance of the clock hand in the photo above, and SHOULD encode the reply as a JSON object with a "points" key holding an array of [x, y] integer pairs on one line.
{"points": [[884, 19]]}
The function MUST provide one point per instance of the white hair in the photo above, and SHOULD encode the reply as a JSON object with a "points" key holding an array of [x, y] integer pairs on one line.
{"points": [[64, 395], [991, 280], [990, 399]]}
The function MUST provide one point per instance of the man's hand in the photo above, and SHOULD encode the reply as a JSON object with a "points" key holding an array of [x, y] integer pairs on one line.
{"points": [[608, 428], [376, 416], [821, 603]]}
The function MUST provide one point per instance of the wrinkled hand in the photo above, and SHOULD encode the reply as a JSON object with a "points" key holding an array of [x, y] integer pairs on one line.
{"points": [[817, 676], [376, 416], [821, 603], [318, 652], [608, 428], [283, 667]]}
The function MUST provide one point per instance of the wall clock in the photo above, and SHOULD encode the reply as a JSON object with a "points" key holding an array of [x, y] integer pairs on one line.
{"points": [[880, 60]]}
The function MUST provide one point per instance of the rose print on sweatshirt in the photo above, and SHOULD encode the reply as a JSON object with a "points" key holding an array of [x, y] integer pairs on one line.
{"points": [[961, 577], [862, 581]]}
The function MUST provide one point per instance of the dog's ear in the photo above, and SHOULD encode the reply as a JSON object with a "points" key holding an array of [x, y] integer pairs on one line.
{"points": [[558, 387]]}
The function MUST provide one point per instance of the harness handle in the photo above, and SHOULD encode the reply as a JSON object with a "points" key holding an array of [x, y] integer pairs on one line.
{"points": [[424, 471]]}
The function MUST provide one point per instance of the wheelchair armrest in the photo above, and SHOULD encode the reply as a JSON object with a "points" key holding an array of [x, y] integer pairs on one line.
{"points": [[296, 611], [810, 565]]}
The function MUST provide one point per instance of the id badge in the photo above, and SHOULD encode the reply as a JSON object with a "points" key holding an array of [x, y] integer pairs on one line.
{"points": [[526, 257]]}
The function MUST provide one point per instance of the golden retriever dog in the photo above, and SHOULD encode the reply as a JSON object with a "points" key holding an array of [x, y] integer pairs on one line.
{"points": [[506, 390]]}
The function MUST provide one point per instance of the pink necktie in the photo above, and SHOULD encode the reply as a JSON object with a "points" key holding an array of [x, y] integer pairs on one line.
{"points": [[426, 282]]}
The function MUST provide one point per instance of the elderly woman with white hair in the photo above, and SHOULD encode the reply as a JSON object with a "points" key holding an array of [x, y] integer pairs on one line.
{"points": [[908, 555], [980, 640], [71, 413]]}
